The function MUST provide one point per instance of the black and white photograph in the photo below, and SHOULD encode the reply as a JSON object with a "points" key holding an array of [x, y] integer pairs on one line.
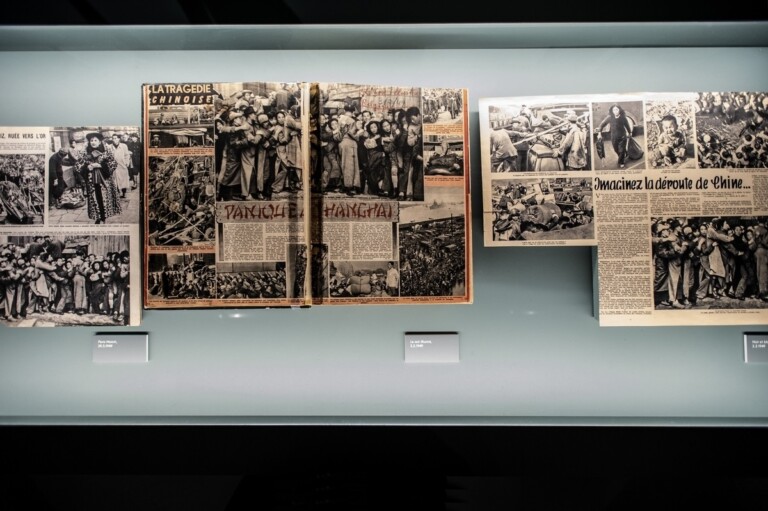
{"points": [[363, 279], [180, 201], [442, 106], [296, 270], [669, 126], [371, 141], [250, 281], [321, 268], [444, 155], [710, 262], [22, 189], [432, 250], [259, 154], [181, 276], [180, 116], [175, 136], [94, 175], [540, 138], [619, 135], [52, 279], [542, 209], [732, 130]]}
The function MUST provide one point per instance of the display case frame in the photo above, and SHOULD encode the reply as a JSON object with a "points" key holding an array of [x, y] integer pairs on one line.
{"points": [[532, 352]]}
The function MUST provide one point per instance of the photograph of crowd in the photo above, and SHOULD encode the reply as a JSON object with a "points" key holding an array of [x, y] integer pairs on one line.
{"points": [[554, 208], [22, 188], [620, 126], [442, 106], [669, 127], [371, 141], [732, 130], [64, 280], [94, 175], [180, 200], [444, 155], [432, 257], [177, 276], [432, 249], [258, 140], [251, 281], [540, 138], [363, 279], [710, 263]]}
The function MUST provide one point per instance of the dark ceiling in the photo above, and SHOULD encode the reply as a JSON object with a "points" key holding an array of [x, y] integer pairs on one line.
{"points": [[276, 12]]}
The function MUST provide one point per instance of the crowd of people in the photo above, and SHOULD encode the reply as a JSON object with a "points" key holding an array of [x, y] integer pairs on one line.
{"points": [[191, 281], [181, 201], [567, 137], [21, 188], [699, 260], [43, 277], [251, 285], [732, 130], [372, 153], [432, 258], [258, 145]]}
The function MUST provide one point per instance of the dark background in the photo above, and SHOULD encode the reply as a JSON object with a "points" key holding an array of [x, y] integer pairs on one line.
{"points": [[229, 12], [386, 468], [373, 467]]}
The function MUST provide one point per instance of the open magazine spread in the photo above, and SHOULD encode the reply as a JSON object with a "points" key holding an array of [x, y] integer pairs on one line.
{"points": [[276, 194], [69, 226], [678, 197]]}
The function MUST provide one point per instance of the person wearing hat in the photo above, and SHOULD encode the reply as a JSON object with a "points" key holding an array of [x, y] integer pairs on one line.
{"points": [[289, 164], [98, 165], [265, 153], [663, 244], [232, 130], [574, 146]]}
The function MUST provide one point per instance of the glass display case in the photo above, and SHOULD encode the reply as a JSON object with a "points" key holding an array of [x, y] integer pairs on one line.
{"points": [[531, 349]]}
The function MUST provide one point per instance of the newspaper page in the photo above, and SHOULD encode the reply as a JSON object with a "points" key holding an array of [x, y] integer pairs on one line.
{"points": [[69, 231], [390, 210], [537, 171], [226, 195], [682, 237]]}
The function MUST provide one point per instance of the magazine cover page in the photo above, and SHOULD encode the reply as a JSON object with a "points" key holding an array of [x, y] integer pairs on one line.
{"points": [[226, 195]]}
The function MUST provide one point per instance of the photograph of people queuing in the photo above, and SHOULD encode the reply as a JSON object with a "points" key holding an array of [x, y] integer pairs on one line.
{"points": [[54, 279], [710, 262]]}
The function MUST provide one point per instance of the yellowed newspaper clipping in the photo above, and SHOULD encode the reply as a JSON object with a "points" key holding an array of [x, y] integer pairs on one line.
{"points": [[69, 226]]}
